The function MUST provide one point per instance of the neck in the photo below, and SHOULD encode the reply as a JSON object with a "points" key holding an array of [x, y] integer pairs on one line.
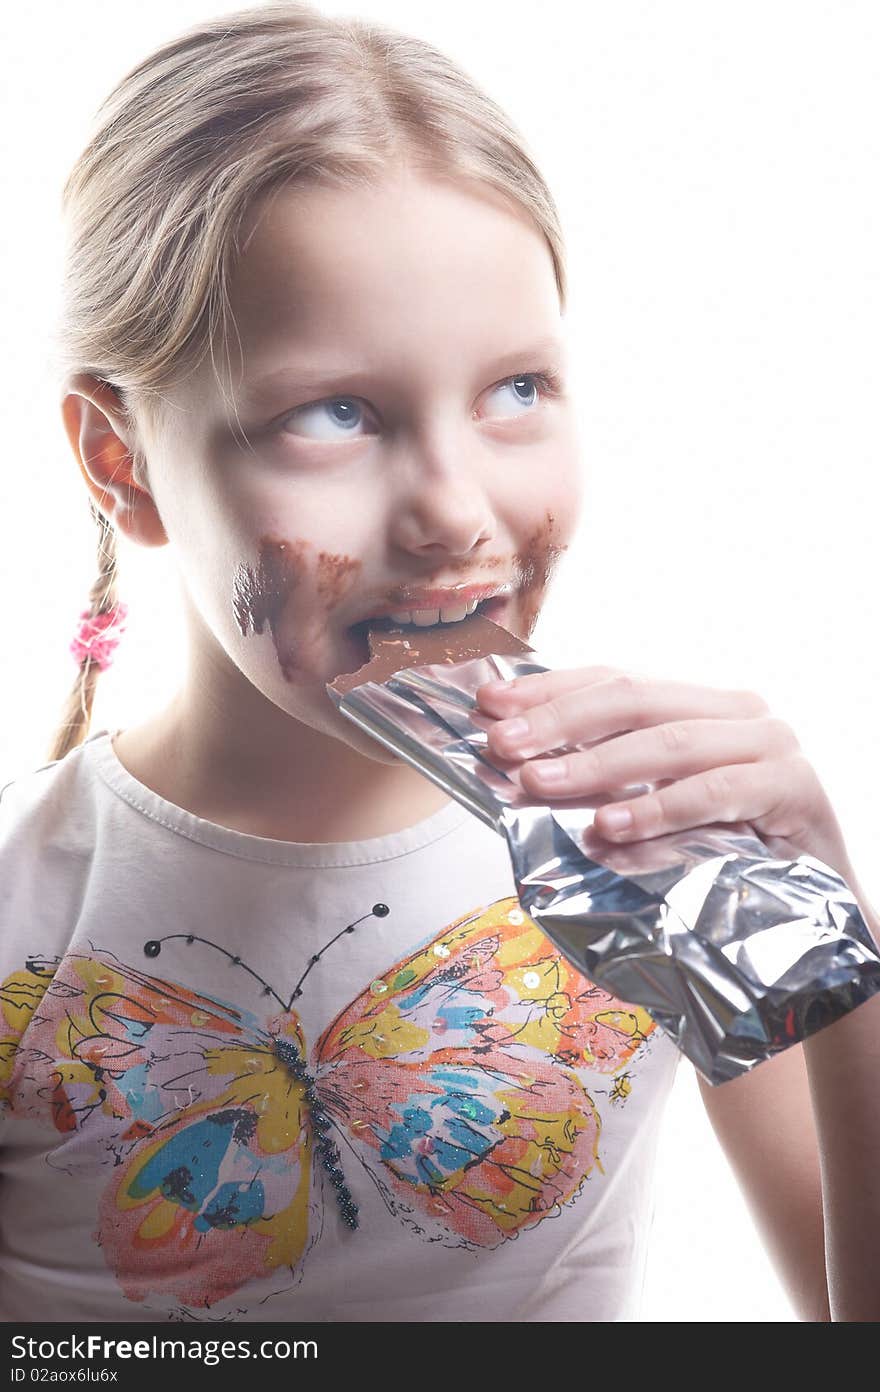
{"points": [[238, 760]]}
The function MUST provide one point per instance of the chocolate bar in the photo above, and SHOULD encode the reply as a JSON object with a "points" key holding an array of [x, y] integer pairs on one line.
{"points": [[394, 648], [735, 953]]}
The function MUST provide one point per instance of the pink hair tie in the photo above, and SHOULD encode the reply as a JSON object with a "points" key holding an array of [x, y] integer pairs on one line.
{"points": [[98, 634]]}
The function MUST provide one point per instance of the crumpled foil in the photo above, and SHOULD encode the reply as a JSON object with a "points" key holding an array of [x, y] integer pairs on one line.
{"points": [[735, 954]]}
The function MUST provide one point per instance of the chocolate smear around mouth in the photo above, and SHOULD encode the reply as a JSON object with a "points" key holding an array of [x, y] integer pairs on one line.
{"points": [[262, 594], [393, 648]]}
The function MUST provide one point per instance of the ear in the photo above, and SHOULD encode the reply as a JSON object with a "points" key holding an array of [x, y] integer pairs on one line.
{"points": [[97, 429]]}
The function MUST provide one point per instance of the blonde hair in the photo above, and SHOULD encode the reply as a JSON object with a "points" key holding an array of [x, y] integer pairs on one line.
{"points": [[184, 146]]}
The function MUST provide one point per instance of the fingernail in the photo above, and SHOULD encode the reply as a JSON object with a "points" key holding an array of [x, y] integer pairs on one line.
{"points": [[615, 818], [497, 685]]}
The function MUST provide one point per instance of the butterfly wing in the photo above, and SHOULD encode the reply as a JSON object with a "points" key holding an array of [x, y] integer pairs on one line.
{"points": [[188, 1105], [20, 995], [459, 1073]]}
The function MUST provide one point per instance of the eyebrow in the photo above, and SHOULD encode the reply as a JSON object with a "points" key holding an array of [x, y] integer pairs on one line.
{"points": [[306, 376]]}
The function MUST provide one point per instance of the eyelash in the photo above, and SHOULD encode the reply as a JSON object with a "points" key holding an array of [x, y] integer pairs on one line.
{"points": [[549, 381]]}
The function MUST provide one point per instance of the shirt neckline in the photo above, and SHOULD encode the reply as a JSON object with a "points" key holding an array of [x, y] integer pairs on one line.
{"points": [[98, 748]]}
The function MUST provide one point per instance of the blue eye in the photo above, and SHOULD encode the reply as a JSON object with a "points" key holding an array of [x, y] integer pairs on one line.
{"points": [[342, 414], [340, 410]]}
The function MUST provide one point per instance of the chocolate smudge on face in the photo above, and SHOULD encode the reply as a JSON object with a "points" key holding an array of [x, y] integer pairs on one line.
{"points": [[533, 568], [261, 594], [335, 576]]}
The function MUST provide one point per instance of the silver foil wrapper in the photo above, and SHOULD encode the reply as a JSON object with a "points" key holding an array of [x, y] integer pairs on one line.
{"points": [[735, 954]]}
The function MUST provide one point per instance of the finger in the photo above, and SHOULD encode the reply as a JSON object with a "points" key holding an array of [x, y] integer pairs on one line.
{"points": [[752, 793], [503, 698], [611, 706], [633, 858], [673, 751]]}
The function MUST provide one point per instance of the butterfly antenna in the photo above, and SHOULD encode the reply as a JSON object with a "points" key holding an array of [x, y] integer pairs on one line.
{"points": [[154, 947], [377, 911]]}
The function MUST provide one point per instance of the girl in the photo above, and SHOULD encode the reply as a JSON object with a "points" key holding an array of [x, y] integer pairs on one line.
{"points": [[278, 1041]]}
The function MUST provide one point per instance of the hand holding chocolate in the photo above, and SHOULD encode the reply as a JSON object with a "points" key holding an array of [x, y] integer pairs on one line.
{"points": [[735, 954]]}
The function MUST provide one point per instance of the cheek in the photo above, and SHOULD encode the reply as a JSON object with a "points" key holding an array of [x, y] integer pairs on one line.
{"points": [[564, 485], [539, 554], [562, 497], [550, 481], [292, 591]]}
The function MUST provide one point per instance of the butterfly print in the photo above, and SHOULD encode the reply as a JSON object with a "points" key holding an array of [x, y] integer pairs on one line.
{"points": [[458, 1085]]}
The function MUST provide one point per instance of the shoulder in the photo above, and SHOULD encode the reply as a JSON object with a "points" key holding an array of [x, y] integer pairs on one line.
{"points": [[49, 837], [48, 810]]}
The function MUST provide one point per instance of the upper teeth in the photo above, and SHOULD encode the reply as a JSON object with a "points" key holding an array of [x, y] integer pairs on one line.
{"points": [[424, 617]]}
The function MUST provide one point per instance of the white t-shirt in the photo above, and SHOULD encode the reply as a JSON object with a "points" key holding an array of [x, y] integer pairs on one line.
{"points": [[495, 1114]]}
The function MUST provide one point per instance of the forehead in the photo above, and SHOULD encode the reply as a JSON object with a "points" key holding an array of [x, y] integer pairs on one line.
{"points": [[407, 259]]}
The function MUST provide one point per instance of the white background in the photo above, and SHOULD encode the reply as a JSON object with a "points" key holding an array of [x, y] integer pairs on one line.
{"points": [[716, 167]]}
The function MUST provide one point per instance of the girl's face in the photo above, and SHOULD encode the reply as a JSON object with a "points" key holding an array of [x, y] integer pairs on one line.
{"points": [[399, 439]]}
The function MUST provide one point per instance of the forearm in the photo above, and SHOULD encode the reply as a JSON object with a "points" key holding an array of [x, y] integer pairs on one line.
{"points": [[843, 1065]]}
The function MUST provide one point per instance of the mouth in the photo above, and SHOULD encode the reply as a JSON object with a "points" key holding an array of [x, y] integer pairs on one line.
{"points": [[357, 633]]}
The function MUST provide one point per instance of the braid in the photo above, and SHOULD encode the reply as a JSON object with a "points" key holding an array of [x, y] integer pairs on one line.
{"points": [[77, 715]]}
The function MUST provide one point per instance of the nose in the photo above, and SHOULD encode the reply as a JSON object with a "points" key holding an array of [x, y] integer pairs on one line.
{"points": [[440, 505]]}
